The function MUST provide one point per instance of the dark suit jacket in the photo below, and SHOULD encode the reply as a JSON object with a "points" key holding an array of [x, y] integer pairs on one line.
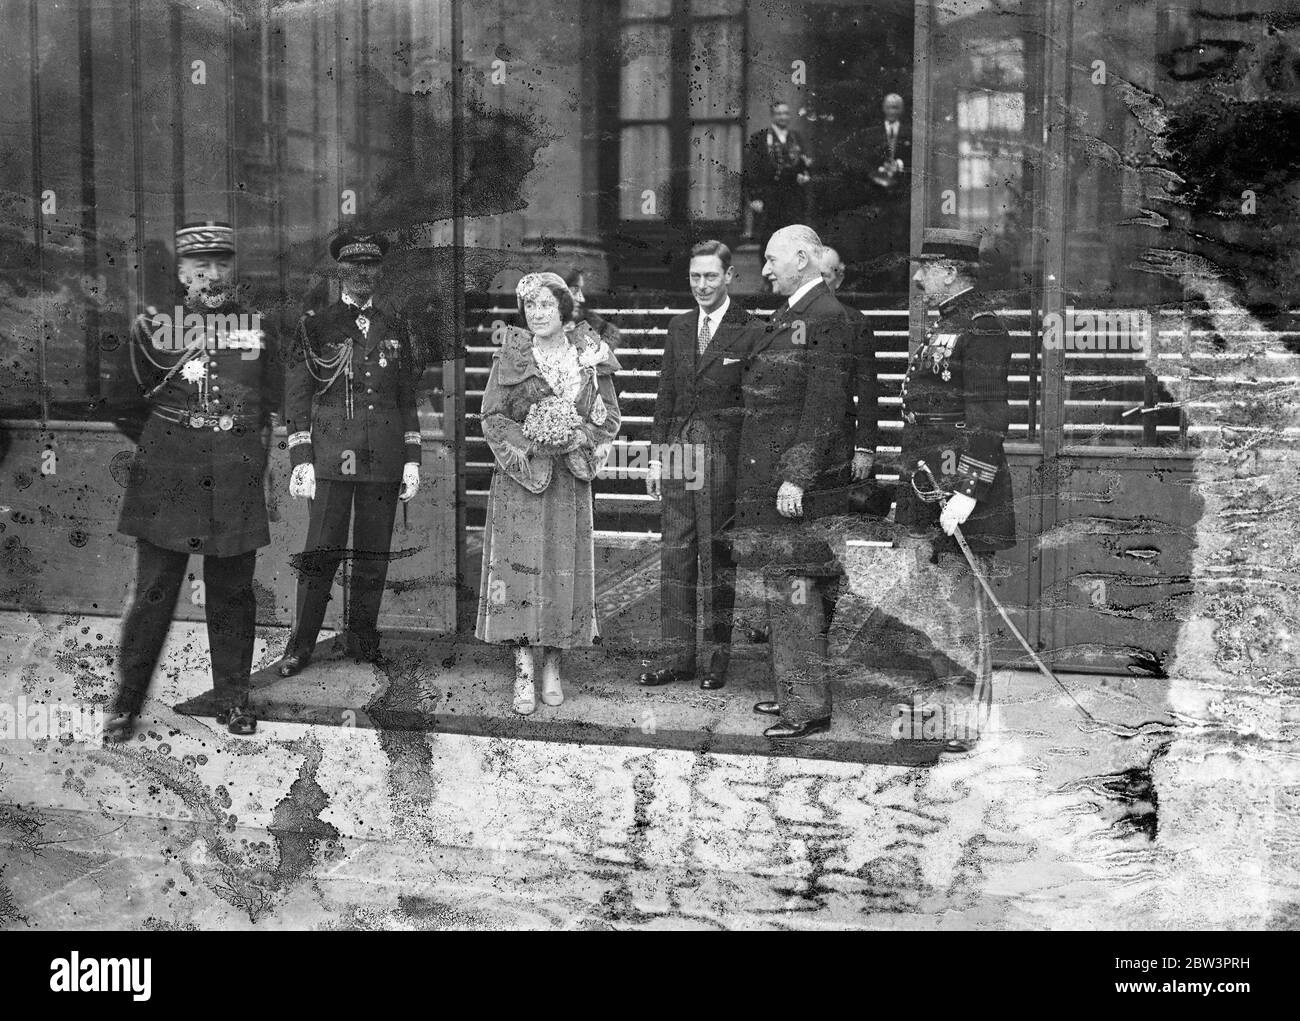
{"points": [[852, 164], [902, 151], [707, 386], [862, 381], [870, 496], [796, 393]]}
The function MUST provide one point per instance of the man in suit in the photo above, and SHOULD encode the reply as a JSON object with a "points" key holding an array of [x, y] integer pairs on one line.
{"points": [[208, 385], [955, 420], [354, 442], [776, 174], [867, 496], [891, 181], [794, 465], [696, 429], [893, 170]]}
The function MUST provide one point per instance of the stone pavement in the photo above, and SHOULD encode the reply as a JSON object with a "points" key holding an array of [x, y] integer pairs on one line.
{"points": [[1050, 823]]}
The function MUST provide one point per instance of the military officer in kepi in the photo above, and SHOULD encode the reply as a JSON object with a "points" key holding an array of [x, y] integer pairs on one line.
{"points": [[209, 380], [954, 467], [354, 442]]}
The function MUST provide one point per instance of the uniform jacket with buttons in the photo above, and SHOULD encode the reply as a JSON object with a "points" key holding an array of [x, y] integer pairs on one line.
{"points": [[199, 488], [382, 433], [956, 417]]}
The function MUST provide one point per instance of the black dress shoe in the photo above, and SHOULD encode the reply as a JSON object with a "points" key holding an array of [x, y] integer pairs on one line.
{"points": [[654, 678], [957, 745], [715, 676], [119, 729], [788, 729], [238, 719], [291, 665], [768, 708]]}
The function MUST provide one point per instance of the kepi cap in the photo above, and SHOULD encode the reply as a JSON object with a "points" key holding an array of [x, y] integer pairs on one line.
{"points": [[209, 237], [950, 243]]}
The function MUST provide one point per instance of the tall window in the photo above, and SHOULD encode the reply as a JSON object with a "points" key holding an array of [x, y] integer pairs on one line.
{"points": [[681, 94], [989, 141], [991, 134]]}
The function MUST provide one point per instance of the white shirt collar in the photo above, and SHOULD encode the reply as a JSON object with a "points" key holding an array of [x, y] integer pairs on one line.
{"points": [[349, 301], [803, 289], [714, 317], [778, 133]]}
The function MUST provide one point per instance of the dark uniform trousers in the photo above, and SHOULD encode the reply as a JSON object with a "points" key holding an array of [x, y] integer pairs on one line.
{"points": [[365, 416], [695, 514], [936, 614], [371, 508], [954, 404], [231, 606]]}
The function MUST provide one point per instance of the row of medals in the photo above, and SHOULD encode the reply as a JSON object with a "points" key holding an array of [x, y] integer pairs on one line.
{"points": [[938, 358]]}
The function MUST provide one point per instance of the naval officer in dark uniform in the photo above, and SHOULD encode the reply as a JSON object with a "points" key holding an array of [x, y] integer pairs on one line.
{"points": [[354, 442], [955, 411], [955, 420], [208, 385]]}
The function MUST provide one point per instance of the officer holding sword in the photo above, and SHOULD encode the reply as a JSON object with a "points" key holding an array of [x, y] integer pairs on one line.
{"points": [[955, 473]]}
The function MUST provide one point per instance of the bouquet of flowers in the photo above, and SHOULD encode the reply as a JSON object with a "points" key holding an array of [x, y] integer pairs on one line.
{"points": [[551, 421]]}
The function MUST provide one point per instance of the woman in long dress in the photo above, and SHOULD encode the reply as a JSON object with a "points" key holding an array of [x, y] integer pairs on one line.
{"points": [[538, 589]]}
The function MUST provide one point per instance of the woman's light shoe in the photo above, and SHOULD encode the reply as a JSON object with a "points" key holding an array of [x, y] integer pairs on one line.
{"points": [[525, 696], [552, 693]]}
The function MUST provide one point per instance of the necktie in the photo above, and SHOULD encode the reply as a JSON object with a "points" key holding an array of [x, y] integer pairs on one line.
{"points": [[704, 333], [890, 129]]}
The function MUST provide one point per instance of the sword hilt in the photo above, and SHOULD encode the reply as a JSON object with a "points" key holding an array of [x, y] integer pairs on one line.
{"points": [[936, 493]]}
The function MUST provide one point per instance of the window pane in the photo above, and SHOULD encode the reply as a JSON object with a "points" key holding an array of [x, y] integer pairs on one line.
{"points": [[990, 148], [646, 83], [714, 165], [1119, 388], [647, 8], [715, 70], [643, 167], [980, 143], [702, 7]]}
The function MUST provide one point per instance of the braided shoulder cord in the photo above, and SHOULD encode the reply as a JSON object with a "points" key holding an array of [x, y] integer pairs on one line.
{"points": [[197, 346], [332, 367]]}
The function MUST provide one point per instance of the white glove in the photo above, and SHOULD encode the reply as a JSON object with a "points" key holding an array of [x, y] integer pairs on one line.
{"points": [[303, 481], [410, 481], [654, 481], [955, 512], [789, 500]]}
